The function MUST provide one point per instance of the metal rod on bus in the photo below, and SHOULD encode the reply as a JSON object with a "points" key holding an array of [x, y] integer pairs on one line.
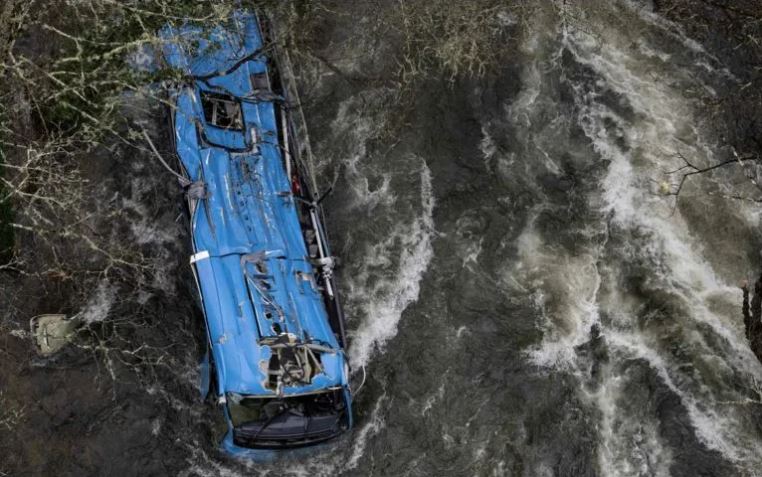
{"points": [[287, 144], [321, 250]]}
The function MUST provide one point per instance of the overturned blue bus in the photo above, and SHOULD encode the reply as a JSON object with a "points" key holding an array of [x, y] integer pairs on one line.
{"points": [[261, 257]]}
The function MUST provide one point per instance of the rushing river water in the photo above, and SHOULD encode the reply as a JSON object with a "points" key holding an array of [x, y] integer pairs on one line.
{"points": [[524, 297]]}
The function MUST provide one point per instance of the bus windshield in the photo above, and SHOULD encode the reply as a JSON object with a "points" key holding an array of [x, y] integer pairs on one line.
{"points": [[288, 421]]}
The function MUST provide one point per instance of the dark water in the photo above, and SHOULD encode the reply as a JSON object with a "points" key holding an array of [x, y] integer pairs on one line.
{"points": [[525, 298]]}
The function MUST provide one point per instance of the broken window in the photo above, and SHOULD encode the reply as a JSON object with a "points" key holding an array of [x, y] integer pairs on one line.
{"points": [[222, 111], [260, 82], [292, 364]]}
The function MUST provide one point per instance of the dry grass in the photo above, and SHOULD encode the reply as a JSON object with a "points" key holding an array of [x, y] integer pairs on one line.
{"points": [[455, 38]]}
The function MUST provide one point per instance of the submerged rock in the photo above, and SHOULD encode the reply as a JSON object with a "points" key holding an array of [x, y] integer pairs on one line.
{"points": [[52, 332]]}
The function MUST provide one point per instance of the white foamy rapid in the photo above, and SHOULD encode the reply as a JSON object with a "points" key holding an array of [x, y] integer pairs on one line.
{"points": [[661, 125], [563, 286], [100, 303], [371, 427], [385, 299], [629, 439], [384, 275], [630, 103], [570, 309]]}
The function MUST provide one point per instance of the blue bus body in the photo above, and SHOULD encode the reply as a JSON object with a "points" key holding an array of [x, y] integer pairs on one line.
{"points": [[260, 253]]}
